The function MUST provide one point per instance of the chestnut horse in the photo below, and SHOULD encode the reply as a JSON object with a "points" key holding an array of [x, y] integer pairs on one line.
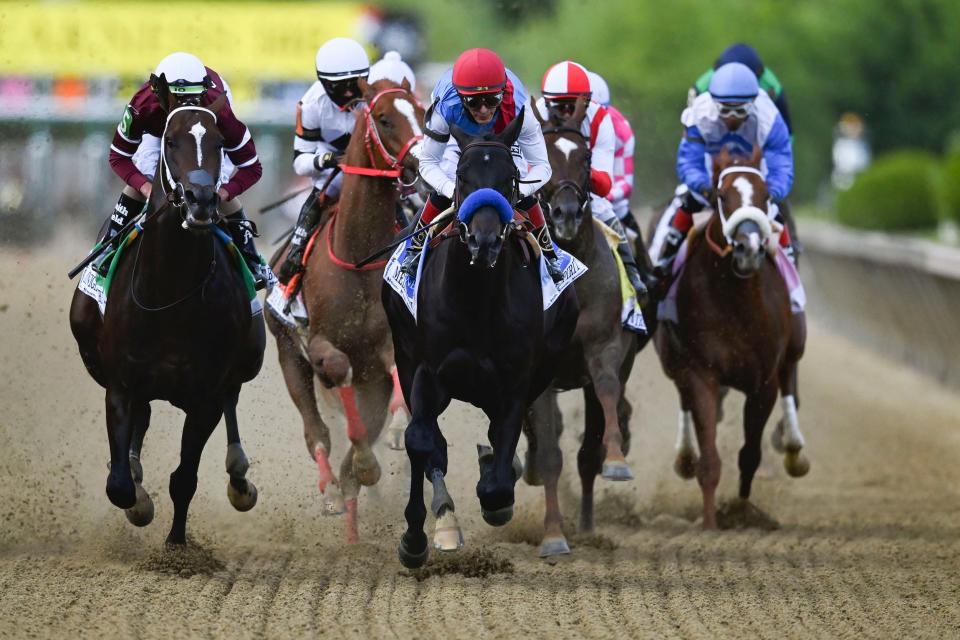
{"points": [[177, 326], [735, 329], [348, 345], [600, 356]]}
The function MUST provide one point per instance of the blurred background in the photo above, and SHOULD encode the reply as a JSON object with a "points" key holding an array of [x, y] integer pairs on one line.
{"points": [[874, 87]]}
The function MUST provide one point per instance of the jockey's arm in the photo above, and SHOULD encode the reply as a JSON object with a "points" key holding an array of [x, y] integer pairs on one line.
{"points": [[691, 168], [778, 154], [623, 169], [437, 133], [126, 141], [601, 157], [308, 156], [534, 151], [239, 147]]}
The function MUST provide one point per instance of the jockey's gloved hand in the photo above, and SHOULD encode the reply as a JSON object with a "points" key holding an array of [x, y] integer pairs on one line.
{"points": [[690, 203], [327, 160]]}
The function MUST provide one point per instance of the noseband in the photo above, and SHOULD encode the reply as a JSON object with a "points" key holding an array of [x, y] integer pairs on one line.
{"points": [[744, 212], [374, 143]]}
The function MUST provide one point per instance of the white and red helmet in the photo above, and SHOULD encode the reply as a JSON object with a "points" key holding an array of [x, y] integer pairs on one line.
{"points": [[565, 79]]}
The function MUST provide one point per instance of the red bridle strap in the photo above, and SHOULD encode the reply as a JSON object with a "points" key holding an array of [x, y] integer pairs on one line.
{"points": [[372, 141]]}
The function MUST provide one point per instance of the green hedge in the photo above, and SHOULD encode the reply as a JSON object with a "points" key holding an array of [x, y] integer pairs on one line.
{"points": [[951, 186], [899, 192]]}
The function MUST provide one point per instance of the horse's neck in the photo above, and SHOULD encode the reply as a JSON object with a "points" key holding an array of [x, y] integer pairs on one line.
{"points": [[582, 244], [168, 254], [365, 221]]}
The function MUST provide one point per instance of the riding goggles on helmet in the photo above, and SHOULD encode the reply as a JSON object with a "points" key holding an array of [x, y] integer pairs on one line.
{"points": [[488, 100], [342, 92], [564, 106], [740, 111]]}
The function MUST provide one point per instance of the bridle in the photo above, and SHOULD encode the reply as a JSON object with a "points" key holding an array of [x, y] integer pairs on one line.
{"points": [[582, 190], [173, 188], [375, 147], [493, 144], [746, 211]]}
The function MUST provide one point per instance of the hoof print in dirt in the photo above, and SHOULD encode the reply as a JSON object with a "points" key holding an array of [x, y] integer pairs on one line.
{"points": [[742, 514]]}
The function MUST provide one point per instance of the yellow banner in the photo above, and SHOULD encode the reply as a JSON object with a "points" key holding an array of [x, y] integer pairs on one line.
{"points": [[243, 41]]}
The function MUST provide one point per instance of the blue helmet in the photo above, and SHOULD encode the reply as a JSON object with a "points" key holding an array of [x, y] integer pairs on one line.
{"points": [[742, 53], [734, 82]]}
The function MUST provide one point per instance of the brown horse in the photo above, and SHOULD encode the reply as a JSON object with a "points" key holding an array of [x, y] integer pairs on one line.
{"points": [[601, 354], [348, 344], [735, 329], [177, 326]]}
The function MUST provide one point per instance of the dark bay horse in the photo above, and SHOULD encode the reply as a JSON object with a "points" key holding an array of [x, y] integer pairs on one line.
{"points": [[177, 327], [735, 329], [600, 356], [481, 336], [347, 344]]}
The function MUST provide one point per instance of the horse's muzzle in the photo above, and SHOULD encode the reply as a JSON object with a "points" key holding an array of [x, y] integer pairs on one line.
{"points": [[484, 249], [747, 257]]}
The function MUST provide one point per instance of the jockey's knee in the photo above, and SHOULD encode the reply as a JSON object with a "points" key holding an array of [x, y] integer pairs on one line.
{"points": [[130, 192], [229, 207], [530, 205], [440, 202]]}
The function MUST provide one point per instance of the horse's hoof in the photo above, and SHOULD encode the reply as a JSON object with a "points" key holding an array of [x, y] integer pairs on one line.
{"points": [[447, 535], [122, 493], [796, 464], [616, 470], [140, 514], [556, 546], [136, 469], [686, 466], [175, 542], [333, 503], [497, 517], [242, 500], [366, 468], [776, 438], [413, 554]]}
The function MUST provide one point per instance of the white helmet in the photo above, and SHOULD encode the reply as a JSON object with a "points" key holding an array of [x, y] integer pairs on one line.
{"points": [[392, 67], [184, 72], [599, 88], [341, 58]]}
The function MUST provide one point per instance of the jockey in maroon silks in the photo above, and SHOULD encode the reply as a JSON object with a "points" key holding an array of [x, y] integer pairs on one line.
{"points": [[190, 83], [480, 96]]}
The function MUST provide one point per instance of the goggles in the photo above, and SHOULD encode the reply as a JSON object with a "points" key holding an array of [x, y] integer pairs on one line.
{"points": [[739, 111], [562, 107], [342, 92], [488, 100]]}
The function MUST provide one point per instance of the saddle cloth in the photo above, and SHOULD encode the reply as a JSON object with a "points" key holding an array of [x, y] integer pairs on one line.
{"points": [[97, 287], [631, 316]]}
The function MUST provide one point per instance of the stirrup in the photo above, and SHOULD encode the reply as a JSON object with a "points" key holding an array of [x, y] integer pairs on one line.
{"points": [[553, 269], [411, 261]]}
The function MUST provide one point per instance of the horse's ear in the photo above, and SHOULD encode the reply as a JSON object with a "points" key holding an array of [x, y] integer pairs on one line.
{"points": [[405, 85], [218, 103], [536, 113], [162, 89], [579, 111], [462, 137], [756, 157], [512, 132], [365, 88]]}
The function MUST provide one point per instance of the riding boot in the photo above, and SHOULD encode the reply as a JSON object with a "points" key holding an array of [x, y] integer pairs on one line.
{"points": [[412, 258], [243, 232], [306, 223], [630, 263], [542, 234], [662, 272], [126, 207]]}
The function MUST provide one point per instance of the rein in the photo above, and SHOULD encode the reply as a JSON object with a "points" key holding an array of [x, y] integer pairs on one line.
{"points": [[373, 142], [343, 264]]}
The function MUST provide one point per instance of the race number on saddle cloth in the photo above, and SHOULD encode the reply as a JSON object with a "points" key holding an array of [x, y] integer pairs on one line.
{"points": [[145, 115], [98, 286], [407, 286]]}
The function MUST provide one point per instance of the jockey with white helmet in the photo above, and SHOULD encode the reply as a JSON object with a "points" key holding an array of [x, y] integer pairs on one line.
{"points": [[325, 120], [563, 84], [734, 115], [180, 80], [480, 96]]}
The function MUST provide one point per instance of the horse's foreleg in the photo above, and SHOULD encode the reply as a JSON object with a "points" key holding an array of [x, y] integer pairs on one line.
{"points": [[498, 473], [756, 410], [427, 401], [298, 376], [544, 416], [197, 427], [141, 514], [121, 489], [590, 456], [701, 396], [606, 384], [241, 492]]}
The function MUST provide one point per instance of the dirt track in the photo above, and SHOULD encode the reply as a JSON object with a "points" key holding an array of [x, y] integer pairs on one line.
{"points": [[869, 544]]}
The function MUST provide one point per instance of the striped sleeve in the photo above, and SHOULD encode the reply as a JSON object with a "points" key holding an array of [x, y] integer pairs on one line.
{"points": [[126, 141], [239, 147]]}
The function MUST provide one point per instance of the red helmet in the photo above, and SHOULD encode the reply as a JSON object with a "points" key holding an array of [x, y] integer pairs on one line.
{"points": [[565, 80], [479, 71]]}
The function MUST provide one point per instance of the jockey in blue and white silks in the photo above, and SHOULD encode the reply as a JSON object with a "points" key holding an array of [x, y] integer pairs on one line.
{"points": [[734, 115]]}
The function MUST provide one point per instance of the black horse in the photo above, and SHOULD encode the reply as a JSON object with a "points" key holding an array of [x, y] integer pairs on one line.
{"points": [[481, 336], [177, 327]]}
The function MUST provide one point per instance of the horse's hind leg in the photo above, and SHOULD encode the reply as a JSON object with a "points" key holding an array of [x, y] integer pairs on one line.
{"points": [[547, 459], [606, 385], [786, 437], [590, 456], [141, 514], [447, 535], [121, 489], [298, 376], [241, 492], [197, 428]]}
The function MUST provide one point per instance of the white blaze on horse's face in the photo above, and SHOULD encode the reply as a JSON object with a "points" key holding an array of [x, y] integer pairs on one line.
{"points": [[566, 146], [406, 109], [746, 191], [197, 130]]}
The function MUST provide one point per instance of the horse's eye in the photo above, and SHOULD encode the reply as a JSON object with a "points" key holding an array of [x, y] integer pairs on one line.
{"points": [[384, 122], [171, 142]]}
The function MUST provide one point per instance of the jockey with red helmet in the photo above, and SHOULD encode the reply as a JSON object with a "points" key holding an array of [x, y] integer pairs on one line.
{"points": [[186, 82], [563, 84], [480, 95]]}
